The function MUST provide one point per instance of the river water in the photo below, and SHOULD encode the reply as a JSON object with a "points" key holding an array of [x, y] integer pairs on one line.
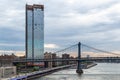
{"points": [[102, 71]]}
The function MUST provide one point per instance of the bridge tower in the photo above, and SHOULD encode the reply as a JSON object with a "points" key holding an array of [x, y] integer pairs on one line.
{"points": [[79, 68]]}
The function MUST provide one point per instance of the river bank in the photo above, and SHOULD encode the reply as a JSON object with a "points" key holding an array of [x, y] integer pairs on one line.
{"points": [[37, 74], [87, 66]]}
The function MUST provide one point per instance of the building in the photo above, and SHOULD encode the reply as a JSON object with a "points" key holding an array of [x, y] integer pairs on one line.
{"points": [[7, 72], [59, 63], [34, 31], [49, 55], [72, 62], [7, 60], [65, 56], [54, 64]]}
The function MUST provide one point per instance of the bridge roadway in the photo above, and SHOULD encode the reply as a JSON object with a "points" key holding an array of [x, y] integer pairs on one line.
{"points": [[75, 59]]}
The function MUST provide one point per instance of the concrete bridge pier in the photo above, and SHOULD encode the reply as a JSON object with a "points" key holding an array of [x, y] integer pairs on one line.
{"points": [[79, 68], [79, 71]]}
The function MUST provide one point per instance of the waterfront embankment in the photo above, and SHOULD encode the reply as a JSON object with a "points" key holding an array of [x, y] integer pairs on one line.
{"points": [[87, 66], [36, 74]]}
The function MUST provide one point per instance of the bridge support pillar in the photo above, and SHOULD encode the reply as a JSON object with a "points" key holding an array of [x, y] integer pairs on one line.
{"points": [[79, 71], [79, 68]]}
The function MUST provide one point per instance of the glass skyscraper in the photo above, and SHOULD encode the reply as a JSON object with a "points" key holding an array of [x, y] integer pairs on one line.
{"points": [[34, 31]]}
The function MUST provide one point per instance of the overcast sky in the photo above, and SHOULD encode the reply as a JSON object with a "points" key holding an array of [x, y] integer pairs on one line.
{"points": [[93, 22]]}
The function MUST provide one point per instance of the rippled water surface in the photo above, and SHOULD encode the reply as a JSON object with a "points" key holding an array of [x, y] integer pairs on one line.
{"points": [[103, 71]]}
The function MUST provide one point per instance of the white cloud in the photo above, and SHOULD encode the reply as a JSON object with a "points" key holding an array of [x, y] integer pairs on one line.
{"points": [[11, 44], [20, 53], [51, 46]]}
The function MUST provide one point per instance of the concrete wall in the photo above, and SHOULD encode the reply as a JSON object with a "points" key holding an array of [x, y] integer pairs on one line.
{"points": [[6, 72]]}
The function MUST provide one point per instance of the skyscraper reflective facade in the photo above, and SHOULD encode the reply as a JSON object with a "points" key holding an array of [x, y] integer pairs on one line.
{"points": [[35, 31]]}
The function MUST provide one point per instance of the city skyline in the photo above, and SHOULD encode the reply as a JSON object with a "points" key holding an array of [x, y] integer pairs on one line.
{"points": [[96, 23]]}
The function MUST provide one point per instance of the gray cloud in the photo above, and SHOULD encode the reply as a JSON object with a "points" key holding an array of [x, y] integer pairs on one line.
{"points": [[66, 22]]}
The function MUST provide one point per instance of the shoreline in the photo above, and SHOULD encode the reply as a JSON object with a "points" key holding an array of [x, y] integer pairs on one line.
{"points": [[37, 74]]}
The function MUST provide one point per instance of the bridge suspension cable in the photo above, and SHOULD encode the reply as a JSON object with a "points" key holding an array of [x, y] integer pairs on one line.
{"points": [[62, 50], [99, 50]]}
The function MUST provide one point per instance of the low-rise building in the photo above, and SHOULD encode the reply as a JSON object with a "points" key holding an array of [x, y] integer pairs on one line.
{"points": [[49, 55], [6, 72], [65, 56], [6, 60]]}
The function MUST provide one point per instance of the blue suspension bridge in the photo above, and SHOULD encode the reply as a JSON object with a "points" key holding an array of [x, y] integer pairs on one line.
{"points": [[79, 53]]}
